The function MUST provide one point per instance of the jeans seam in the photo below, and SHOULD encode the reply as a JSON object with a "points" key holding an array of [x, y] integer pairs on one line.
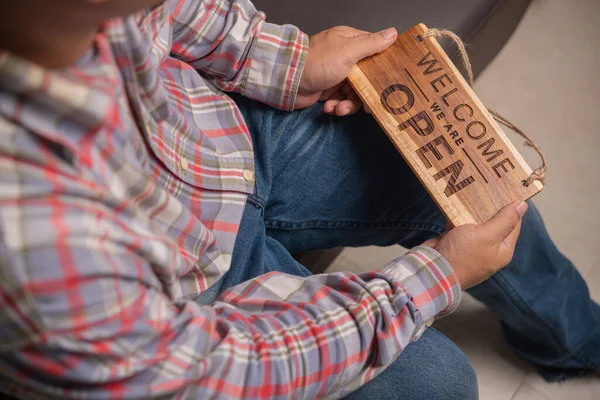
{"points": [[255, 200], [324, 224], [521, 303]]}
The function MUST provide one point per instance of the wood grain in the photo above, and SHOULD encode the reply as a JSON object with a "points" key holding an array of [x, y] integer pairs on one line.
{"points": [[443, 131]]}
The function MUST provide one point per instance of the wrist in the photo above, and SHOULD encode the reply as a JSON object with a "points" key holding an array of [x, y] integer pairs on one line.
{"points": [[429, 279], [306, 95], [452, 262]]}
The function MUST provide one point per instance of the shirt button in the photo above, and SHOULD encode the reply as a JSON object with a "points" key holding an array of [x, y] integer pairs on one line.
{"points": [[184, 163], [248, 175]]}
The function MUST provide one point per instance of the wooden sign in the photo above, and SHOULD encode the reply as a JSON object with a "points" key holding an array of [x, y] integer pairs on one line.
{"points": [[442, 129]]}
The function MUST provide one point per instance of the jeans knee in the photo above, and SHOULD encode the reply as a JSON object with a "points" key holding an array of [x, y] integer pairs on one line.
{"points": [[449, 373], [431, 368], [463, 382]]}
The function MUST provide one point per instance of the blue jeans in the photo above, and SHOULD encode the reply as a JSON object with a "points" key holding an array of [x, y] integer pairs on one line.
{"points": [[325, 181]]}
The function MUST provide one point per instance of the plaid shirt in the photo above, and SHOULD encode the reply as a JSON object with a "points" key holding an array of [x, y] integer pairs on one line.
{"points": [[122, 185]]}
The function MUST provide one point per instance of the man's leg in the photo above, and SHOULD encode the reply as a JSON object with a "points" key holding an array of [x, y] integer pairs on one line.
{"points": [[431, 368], [545, 306], [326, 181]]}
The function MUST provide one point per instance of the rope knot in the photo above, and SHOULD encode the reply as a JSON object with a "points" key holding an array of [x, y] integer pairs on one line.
{"points": [[538, 174]]}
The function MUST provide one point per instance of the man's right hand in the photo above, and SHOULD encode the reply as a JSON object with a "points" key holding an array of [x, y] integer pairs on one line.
{"points": [[476, 252]]}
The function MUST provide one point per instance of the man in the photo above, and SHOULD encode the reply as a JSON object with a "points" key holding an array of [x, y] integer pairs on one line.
{"points": [[147, 219]]}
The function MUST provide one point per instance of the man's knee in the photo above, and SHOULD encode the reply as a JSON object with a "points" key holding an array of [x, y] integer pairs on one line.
{"points": [[442, 370], [456, 378], [431, 368]]}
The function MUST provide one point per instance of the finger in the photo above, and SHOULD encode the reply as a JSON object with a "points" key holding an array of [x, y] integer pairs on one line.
{"points": [[366, 45], [504, 222], [348, 107], [346, 87], [330, 105], [349, 31], [352, 94], [367, 109], [326, 95], [351, 104], [511, 240]]}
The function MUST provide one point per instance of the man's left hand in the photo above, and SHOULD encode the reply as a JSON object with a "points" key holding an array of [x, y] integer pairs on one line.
{"points": [[331, 55]]}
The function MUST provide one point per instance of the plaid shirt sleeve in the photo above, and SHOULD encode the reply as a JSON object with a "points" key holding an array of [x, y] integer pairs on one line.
{"points": [[231, 44], [84, 313]]}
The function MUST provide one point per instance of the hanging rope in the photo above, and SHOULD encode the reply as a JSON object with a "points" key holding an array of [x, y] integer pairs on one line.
{"points": [[538, 174]]}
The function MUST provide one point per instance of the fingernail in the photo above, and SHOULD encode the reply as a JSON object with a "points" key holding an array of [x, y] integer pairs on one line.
{"points": [[521, 208], [389, 33], [346, 111]]}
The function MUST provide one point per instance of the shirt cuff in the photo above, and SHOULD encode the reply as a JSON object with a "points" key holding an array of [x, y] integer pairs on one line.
{"points": [[276, 65], [429, 280]]}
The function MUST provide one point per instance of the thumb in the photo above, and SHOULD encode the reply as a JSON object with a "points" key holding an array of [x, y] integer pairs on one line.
{"points": [[505, 221], [368, 44]]}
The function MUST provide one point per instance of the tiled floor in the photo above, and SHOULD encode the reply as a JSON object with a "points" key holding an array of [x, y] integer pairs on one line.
{"points": [[546, 81]]}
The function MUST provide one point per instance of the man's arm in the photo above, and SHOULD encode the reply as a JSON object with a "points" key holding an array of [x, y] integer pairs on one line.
{"points": [[230, 43], [84, 311]]}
